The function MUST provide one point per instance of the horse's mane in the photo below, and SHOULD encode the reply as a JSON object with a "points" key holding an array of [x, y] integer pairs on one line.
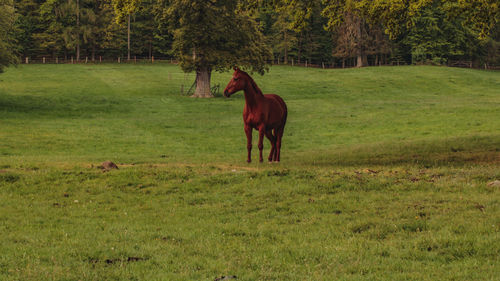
{"points": [[252, 82]]}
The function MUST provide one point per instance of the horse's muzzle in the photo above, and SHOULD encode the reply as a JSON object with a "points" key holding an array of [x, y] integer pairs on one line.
{"points": [[226, 94]]}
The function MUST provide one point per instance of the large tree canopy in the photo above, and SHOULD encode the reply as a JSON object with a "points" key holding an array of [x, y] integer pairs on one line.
{"points": [[214, 35], [7, 19]]}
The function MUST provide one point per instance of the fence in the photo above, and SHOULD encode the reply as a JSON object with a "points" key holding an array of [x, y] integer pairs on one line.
{"points": [[97, 59], [347, 63], [471, 64]]}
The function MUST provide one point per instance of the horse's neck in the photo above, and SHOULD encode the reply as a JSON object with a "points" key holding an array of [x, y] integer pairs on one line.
{"points": [[252, 97]]}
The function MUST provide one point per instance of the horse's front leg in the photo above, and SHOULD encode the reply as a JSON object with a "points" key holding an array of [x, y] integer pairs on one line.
{"points": [[262, 131], [248, 132]]}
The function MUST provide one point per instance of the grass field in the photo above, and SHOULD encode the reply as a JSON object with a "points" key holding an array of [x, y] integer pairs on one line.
{"points": [[384, 176]]}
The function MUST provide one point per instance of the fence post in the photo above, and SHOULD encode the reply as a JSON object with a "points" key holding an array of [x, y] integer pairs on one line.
{"points": [[323, 65], [118, 59], [27, 60], [86, 59], [71, 59], [43, 60], [292, 61], [57, 60], [306, 63], [100, 59], [152, 59]]}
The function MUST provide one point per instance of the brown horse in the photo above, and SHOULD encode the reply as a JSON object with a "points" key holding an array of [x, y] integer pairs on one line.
{"points": [[264, 113]]}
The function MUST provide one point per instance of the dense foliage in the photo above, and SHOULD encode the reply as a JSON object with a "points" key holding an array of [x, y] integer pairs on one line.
{"points": [[7, 18], [356, 32]]}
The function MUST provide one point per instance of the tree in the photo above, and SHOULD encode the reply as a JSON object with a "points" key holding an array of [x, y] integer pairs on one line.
{"points": [[283, 37], [353, 15], [434, 37], [68, 22], [345, 36], [214, 35], [27, 24], [493, 47], [480, 15], [125, 9], [7, 20]]}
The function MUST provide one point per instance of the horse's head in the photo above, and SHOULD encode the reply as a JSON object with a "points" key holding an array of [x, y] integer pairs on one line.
{"points": [[237, 83]]}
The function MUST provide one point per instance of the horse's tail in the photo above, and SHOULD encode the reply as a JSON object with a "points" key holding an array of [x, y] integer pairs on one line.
{"points": [[285, 109], [286, 113]]}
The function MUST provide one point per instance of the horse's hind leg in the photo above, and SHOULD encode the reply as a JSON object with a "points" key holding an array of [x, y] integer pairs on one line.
{"points": [[279, 136], [272, 139]]}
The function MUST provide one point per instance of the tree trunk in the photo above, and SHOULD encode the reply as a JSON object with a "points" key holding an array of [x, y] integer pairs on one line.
{"points": [[359, 50], [360, 60], [286, 48], [78, 30], [299, 49], [93, 52], [128, 38], [150, 48], [203, 83]]}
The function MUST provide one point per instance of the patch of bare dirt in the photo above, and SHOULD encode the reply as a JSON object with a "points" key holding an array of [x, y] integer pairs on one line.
{"points": [[107, 166], [494, 183]]}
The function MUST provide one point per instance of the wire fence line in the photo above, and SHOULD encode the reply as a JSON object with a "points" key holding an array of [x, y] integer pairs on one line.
{"points": [[346, 63]]}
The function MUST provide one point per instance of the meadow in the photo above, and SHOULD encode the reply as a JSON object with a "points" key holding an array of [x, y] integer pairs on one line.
{"points": [[385, 175]]}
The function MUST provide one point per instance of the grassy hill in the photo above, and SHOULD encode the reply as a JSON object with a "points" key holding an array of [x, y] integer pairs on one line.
{"points": [[384, 176]]}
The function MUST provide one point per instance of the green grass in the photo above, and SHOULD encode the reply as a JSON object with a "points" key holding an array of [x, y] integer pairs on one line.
{"points": [[383, 176]]}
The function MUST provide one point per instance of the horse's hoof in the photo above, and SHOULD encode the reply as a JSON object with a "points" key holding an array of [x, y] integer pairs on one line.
{"points": [[249, 161]]}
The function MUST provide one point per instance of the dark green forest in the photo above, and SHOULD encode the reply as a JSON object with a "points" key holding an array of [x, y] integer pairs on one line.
{"points": [[339, 33]]}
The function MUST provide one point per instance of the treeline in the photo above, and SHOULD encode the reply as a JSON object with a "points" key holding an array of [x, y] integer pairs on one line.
{"points": [[343, 33]]}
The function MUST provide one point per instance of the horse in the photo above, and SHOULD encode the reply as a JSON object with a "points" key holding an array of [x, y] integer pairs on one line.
{"points": [[264, 113]]}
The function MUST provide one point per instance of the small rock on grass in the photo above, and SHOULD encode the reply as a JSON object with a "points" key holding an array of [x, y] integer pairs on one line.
{"points": [[494, 183], [107, 165]]}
